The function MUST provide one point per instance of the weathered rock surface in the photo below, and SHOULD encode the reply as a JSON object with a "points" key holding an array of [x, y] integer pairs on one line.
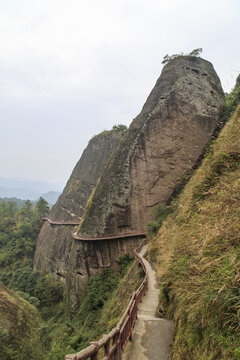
{"points": [[54, 241], [162, 144]]}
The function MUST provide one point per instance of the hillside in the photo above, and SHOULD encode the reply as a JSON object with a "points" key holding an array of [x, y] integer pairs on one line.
{"points": [[197, 253], [18, 323]]}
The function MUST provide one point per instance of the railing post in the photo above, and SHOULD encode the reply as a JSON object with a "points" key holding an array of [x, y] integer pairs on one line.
{"points": [[107, 349], [94, 356]]}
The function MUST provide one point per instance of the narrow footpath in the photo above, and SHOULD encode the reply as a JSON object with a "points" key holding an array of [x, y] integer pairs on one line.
{"points": [[152, 336]]}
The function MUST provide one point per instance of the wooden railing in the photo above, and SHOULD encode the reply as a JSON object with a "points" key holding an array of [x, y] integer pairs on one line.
{"points": [[139, 233], [53, 222], [115, 342], [110, 236]]}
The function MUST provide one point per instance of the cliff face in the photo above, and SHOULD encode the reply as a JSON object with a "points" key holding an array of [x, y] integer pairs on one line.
{"points": [[71, 204], [162, 144], [54, 241]]}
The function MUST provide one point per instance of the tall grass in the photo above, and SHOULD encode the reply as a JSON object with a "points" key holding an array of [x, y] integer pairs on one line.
{"points": [[197, 256]]}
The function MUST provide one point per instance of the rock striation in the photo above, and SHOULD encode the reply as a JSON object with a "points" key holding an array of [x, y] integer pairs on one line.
{"points": [[54, 241]]}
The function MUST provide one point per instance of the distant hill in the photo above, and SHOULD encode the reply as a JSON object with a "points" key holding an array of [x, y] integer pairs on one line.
{"points": [[19, 202], [51, 196], [27, 189]]}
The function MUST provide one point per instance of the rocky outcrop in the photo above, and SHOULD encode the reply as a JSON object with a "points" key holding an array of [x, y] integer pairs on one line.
{"points": [[54, 241], [162, 144]]}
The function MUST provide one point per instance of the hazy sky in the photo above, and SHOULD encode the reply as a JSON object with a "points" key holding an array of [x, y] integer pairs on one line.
{"points": [[71, 68]]}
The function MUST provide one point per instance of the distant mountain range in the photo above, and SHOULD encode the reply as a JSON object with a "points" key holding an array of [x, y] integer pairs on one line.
{"points": [[28, 189]]}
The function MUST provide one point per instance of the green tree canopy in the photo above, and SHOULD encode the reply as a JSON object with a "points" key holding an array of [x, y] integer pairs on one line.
{"points": [[120, 127], [195, 52], [42, 208]]}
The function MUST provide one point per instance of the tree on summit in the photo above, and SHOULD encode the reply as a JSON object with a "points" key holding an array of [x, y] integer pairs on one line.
{"points": [[195, 52], [119, 127]]}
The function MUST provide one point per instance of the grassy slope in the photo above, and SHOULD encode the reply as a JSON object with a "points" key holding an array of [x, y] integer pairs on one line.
{"points": [[18, 327], [197, 256]]}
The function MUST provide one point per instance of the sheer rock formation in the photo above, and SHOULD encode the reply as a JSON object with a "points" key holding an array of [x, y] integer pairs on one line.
{"points": [[54, 240], [162, 144]]}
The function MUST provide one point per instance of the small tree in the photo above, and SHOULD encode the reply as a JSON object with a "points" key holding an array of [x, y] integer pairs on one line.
{"points": [[196, 52], [42, 208], [119, 127]]}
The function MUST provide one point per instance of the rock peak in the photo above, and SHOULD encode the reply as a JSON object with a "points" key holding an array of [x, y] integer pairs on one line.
{"points": [[163, 143]]}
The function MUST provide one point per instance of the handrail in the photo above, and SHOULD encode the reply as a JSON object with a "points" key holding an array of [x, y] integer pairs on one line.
{"points": [[109, 236], [53, 222], [115, 342], [141, 232]]}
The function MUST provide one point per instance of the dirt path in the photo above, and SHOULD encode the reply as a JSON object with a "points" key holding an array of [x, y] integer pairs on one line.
{"points": [[152, 336]]}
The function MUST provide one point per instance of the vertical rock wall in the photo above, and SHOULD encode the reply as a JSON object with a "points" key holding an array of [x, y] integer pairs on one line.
{"points": [[54, 241], [162, 144]]}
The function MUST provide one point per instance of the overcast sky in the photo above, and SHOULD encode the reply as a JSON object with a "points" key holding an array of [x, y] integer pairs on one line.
{"points": [[72, 68]]}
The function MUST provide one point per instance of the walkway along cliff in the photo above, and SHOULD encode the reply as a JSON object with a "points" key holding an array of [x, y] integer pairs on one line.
{"points": [[55, 238], [161, 146]]}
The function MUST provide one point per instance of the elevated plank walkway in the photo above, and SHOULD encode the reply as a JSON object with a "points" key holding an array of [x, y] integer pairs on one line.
{"points": [[61, 223], [140, 233]]}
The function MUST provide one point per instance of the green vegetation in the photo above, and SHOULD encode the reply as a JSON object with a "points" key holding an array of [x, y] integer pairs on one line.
{"points": [[232, 101], [117, 128], [104, 300], [18, 323], [195, 52], [34, 319], [120, 127], [18, 232], [161, 213], [197, 253], [18, 202]]}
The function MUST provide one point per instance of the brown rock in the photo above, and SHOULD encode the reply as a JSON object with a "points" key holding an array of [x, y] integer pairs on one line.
{"points": [[54, 241], [163, 143]]}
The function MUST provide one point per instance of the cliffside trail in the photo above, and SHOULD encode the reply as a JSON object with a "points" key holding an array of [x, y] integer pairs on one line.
{"points": [[152, 336]]}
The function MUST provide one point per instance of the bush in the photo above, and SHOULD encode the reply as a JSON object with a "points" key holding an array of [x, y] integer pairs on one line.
{"points": [[48, 292], [123, 262], [161, 213], [120, 127], [25, 280]]}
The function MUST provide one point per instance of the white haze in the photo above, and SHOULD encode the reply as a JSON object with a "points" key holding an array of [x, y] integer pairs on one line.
{"points": [[71, 68]]}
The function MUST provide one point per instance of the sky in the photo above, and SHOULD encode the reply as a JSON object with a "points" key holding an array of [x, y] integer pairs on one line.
{"points": [[70, 69]]}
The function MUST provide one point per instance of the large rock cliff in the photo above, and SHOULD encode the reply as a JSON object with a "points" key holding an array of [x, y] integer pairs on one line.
{"points": [[55, 238], [162, 144]]}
